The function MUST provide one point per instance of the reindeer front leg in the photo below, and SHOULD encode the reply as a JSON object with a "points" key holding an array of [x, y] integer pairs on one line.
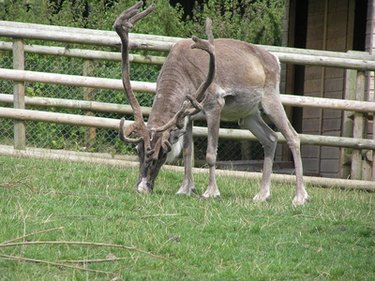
{"points": [[187, 186], [213, 125]]}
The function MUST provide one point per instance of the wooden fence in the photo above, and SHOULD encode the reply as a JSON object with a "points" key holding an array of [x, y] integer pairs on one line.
{"points": [[356, 63]]}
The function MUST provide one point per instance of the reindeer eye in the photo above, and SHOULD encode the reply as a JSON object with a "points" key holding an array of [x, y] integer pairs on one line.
{"points": [[138, 148]]}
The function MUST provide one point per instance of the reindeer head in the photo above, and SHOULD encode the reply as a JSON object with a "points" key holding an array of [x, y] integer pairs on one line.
{"points": [[154, 144]]}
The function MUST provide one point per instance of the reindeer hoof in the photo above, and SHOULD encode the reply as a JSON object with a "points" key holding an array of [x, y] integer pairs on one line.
{"points": [[210, 194], [144, 187], [300, 200], [185, 191], [144, 190], [261, 197]]}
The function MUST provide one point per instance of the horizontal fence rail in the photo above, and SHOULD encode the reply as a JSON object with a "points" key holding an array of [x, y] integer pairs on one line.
{"points": [[83, 53], [234, 134], [121, 162], [111, 34], [72, 80], [237, 134], [288, 100], [160, 43]]}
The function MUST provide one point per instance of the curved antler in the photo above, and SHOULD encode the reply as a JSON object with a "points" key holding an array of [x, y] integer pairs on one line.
{"points": [[122, 25], [193, 104], [210, 49]]}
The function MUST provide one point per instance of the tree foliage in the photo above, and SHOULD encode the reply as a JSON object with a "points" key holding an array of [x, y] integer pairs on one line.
{"points": [[256, 21]]}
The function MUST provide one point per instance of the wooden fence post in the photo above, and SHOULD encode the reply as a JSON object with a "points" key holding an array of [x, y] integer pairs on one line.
{"points": [[373, 137], [19, 94], [347, 122], [358, 127], [89, 94], [371, 98]]}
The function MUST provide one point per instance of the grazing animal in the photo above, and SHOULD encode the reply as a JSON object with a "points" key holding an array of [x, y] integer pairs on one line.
{"points": [[238, 78]]}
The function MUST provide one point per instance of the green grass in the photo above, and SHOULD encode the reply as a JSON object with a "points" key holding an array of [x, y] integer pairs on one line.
{"points": [[186, 238]]}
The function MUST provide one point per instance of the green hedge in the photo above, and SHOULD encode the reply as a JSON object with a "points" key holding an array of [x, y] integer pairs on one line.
{"points": [[257, 21]]}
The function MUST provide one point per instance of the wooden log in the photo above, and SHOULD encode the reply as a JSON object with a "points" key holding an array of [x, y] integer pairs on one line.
{"points": [[19, 94], [60, 118], [288, 100], [320, 53], [93, 39], [76, 104], [299, 101], [237, 134], [91, 158], [85, 54], [325, 103], [151, 37], [56, 28], [325, 61], [73, 80], [146, 44], [287, 57]]}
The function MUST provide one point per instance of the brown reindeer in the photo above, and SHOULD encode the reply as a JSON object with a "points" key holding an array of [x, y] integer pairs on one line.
{"points": [[238, 78]]}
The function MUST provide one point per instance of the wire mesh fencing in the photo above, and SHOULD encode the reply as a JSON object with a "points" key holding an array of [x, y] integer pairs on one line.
{"points": [[78, 138]]}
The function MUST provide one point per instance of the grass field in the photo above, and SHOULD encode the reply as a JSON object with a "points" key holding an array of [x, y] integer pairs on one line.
{"points": [[72, 221]]}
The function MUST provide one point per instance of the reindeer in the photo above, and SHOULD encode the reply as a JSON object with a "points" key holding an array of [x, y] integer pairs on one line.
{"points": [[238, 78]]}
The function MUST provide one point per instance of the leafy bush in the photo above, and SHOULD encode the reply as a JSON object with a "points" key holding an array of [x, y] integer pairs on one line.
{"points": [[257, 21]]}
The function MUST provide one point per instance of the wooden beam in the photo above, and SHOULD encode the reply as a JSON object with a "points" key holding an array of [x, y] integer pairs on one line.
{"points": [[233, 134], [73, 80], [91, 158]]}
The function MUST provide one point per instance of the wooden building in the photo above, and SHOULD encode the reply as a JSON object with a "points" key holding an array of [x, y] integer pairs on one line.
{"points": [[335, 25]]}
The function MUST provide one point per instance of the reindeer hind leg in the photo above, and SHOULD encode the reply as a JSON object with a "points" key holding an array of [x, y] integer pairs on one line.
{"points": [[272, 106], [268, 138]]}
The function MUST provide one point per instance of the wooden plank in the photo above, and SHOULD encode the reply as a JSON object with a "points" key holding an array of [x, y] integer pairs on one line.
{"points": [[333, 72], [309, 151], [336, 43], [331, 124], [312, 72], [337, 6], [312, 85], [334, 84], [329, 166], [335, 95], [310, 113], [331, 113], [330, 153], [311, 125], [310, 166]]}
